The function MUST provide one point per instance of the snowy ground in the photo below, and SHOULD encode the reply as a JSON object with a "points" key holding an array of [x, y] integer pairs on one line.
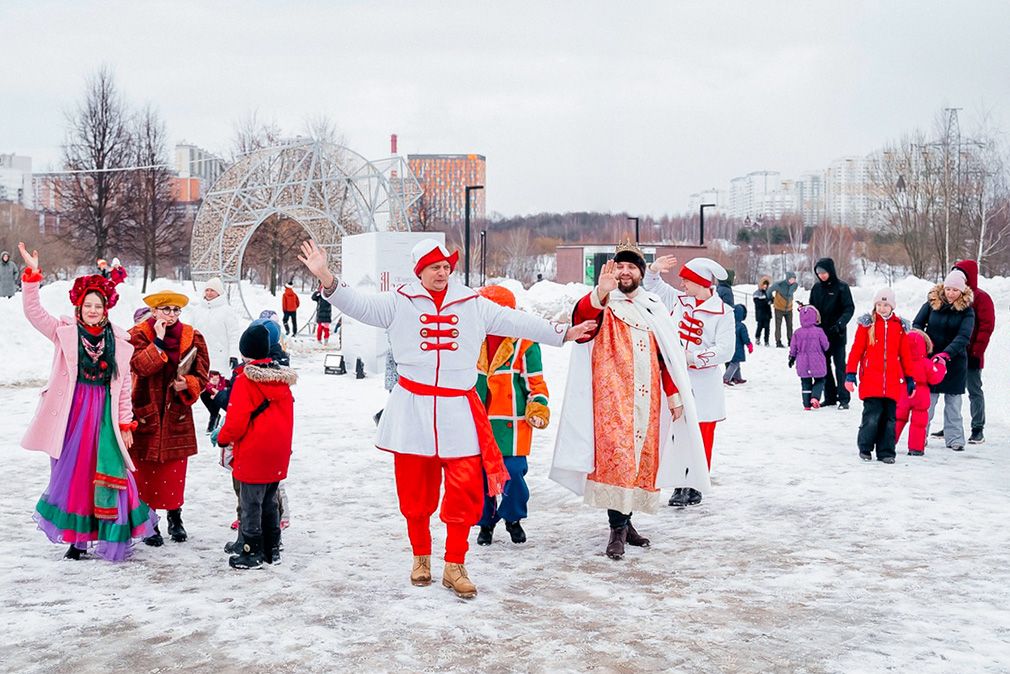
{"points": [[802, 559]]}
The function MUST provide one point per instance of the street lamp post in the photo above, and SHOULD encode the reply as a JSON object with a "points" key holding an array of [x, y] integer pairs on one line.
{"points": [[466, 242], [636, 227], [701, 222], [483, 256]]}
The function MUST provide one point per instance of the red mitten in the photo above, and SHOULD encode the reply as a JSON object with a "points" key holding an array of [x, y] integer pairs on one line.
{"points": [[750, 348]]}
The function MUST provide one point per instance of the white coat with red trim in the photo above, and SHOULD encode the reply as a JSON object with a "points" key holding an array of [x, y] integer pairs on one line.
{"points": [[708, 333], [436, 348]]}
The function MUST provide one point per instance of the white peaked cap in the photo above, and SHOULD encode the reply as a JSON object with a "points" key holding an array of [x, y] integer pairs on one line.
{"points": [[704, 268]]}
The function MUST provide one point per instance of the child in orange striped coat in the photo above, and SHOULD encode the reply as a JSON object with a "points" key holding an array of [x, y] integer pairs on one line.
{"points": [[511, 384]]}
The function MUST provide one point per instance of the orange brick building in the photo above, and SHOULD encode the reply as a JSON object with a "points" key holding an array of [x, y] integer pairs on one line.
{"points": [[444, 177]]}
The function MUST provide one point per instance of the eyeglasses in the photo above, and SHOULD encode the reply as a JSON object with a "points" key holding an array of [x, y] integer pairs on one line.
{"points": [[170, 310]]}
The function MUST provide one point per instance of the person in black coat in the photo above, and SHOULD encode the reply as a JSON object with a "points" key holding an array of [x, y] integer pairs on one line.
{"points": [[763, 309], [324, 316], [948, 319], [833, 300], [724, 289]]}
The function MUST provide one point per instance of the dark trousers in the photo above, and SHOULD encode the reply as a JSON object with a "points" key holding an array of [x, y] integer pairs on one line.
{"points": [[878, 426], [514, 499], [787, 316], [293, 317], [259, 509], [812, 389], [618, 519], [976, 399], [764, 324], [834, 382], [278, 498], [213, 405]]}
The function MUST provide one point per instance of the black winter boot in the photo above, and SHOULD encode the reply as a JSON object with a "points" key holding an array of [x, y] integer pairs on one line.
{"points": [[635, 538], [175, 528], [679, 498], [618, 537], [272, 546], [515, 530], [234, 547], [155, 541], [693, 497], [75, 553], [251, 556], [977, 437], [485, 536]]}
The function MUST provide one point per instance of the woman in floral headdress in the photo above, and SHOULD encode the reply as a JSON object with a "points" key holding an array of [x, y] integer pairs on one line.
{"points": [[84, 422]]}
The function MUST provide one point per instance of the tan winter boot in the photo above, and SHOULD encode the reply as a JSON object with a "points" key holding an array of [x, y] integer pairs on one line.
{"points": [[454, 577], [420, 574]]}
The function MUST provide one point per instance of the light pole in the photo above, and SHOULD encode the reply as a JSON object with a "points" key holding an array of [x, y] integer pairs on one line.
{"points": [[636, 227], [466, 242], [701, 222], [483, 256]]}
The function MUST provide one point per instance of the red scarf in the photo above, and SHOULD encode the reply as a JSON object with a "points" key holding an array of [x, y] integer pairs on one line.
{"points": [[172, 340]]}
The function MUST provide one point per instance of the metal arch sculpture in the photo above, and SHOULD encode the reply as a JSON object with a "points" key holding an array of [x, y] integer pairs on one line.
{"points": [[328, 189]]}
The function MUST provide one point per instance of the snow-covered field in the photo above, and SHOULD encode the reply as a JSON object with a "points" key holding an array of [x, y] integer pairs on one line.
{"points": [[803, 559]]}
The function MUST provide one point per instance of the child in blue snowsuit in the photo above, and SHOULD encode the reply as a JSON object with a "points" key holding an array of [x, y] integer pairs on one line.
{"points": [[744, 346]]}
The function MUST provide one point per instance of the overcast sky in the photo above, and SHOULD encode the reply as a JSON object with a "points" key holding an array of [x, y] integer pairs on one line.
{"points": [[611, 106]]}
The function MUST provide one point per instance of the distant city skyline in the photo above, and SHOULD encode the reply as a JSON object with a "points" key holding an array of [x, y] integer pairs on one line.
{"points": [[576, 106]]}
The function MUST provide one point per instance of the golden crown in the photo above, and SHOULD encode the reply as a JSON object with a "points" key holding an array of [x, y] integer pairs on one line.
{"points": [[627, 246]]}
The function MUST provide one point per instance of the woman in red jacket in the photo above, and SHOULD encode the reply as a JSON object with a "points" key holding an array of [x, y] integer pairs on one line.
{"points": [[259, 426], [880, 358]]}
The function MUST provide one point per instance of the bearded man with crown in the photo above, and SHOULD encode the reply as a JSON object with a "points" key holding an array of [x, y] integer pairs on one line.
{"points": [[84, 422], [434, 422], [628, 422]]}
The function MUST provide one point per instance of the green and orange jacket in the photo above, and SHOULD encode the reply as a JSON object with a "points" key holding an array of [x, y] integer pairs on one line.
{"points": [[513, 390]]}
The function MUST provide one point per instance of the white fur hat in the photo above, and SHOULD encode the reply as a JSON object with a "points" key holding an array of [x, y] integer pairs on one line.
{"points": [[115, 262], [703, 271], [215, 285]]}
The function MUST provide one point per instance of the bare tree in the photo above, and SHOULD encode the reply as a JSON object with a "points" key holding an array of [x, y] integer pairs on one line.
{"points": [[251, 133], [97, 147], [836, 242], [154, 227]]}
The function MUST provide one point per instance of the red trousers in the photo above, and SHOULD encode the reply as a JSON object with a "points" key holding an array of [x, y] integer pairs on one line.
{"points": [[917, 429], [418, 482], [708, 438], [322, 331]]}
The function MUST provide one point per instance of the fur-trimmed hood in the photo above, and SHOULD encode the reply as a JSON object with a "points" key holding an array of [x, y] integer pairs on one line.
{"points": [[937, 301], [271, 374]]}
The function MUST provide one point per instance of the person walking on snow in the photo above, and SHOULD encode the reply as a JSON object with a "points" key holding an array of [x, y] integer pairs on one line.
{"points": [[8, 275], [707, 330], [324, 314], [879, 361], [289, 305], [782, 302], [985, 323], [434, 423], [118, 272], [763, 310], [948, 318], [629, 426], [914, 406], [833, 300], [734, 375], [806, 352], [510, 383], [84, 422]]}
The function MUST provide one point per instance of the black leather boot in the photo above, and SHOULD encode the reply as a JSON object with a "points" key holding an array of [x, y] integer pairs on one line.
{"points": [[679, 498], [485, 536], [693, 497], [635, 538], [175, 528], [618, 537], [155, 541], [516, 532], [75, 553]]}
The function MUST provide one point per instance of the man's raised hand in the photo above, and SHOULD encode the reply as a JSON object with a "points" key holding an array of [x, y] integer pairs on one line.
{"points": [[664, 264], [608, 280], [314, 258]]}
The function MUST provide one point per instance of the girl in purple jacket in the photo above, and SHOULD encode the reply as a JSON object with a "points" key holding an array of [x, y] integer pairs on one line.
{"points": [[806, 351]]}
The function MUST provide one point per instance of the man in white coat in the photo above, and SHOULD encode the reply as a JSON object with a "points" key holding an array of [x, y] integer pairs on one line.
{"points": [[434, 423], [707, 330]]}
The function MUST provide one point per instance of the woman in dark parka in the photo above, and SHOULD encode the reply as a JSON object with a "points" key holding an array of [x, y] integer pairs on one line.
{"points": [[948, 319]]}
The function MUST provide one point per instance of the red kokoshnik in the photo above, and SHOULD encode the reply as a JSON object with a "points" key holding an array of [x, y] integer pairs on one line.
{"points": [[94, 283]]}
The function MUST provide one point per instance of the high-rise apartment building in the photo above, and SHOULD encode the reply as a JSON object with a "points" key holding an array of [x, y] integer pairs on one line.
{"points": [[16, 180], [443, 179], [747, 193], [847, 192], [194, 162]]}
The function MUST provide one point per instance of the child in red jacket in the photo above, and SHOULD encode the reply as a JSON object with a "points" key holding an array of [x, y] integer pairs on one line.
{"points": [[925, 372], [879, 356], [259, 427]]}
